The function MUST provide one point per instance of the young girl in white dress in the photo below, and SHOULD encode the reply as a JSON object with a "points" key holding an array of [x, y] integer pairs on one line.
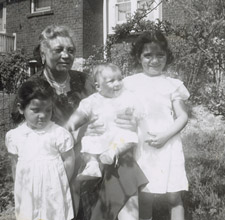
{"points": [[42, 155], [160, 154]]}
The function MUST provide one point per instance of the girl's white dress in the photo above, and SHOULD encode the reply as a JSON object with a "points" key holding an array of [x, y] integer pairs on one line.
{"points": [[164, 167], [41, 185]]}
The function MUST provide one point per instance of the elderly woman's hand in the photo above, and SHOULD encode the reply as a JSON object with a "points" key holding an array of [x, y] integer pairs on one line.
{"points": [[95, 127], [126, 120]]}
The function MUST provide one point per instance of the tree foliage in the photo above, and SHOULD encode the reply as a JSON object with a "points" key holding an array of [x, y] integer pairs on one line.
{"points": [[198, 45], [13, 69], [201, 58]]}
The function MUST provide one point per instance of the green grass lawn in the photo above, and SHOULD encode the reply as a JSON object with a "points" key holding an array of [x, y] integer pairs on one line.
{"points": [[204, 142]]}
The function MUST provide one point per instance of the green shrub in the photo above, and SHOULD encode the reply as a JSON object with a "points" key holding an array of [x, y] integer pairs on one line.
{"points": [[198, 46], [6, 183], [13, 69]]}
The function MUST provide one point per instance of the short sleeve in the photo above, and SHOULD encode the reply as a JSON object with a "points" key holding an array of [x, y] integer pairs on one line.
{"points": [[181, 93], [65, 140], [85, 107], [11, 143]]}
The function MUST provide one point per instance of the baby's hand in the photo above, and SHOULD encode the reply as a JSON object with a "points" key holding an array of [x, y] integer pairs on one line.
{"points": [[157, 140], [108, 157]]}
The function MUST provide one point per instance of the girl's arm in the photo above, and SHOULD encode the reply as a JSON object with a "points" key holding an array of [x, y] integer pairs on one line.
{"points": [[68, 158], [159, 139], [14, 159]]}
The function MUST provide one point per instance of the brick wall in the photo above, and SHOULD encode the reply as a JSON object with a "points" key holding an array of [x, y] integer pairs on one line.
{"points": [[93, 25], [84, 17], [28, 28], [172, 13]]}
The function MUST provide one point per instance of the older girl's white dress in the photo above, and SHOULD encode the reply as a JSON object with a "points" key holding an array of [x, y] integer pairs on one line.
{"points": [[41, 185], [164, 167]]}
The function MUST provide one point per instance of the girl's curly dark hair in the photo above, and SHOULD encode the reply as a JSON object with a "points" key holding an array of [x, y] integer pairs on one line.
{"points": [[34, 88]]}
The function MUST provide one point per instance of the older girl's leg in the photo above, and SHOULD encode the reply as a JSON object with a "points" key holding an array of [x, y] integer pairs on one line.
{"points": [[175, 206], [130, 209], [145, 205]]}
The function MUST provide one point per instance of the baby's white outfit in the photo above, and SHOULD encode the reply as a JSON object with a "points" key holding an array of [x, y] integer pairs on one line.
{"points": [[41, 184], [107, 109], [164, 167]]}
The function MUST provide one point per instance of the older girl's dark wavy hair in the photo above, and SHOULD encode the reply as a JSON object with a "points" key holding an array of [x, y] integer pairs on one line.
{"points": [[35, 88], [154, 36]]}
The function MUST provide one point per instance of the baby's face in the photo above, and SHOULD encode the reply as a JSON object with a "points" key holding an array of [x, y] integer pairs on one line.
{"points": [[110, 83]]}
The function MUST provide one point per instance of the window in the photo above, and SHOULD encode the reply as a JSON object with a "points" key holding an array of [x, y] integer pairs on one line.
{"points": [[144, 4], [2, 17], [118, 11], [123, 10], [149, 4], [40, 5]]}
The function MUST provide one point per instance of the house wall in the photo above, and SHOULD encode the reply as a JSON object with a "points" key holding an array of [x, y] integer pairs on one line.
{"points": [[84, 17], [174, 14], [92, 25], [28, 27]]}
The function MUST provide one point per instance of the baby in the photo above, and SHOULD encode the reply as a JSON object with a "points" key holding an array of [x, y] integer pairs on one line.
{"points": [[110, 99]]}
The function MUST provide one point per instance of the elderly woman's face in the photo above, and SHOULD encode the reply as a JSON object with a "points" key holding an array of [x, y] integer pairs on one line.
{"points": [[59, 55]]}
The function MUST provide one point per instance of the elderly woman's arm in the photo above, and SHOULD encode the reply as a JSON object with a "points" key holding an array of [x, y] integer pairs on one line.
{"points": [[126, 120]]}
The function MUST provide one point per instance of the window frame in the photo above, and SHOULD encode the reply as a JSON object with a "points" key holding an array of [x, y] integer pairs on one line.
{"points": [[38, 10], [111, 13], [3, 27], [117, 11]]}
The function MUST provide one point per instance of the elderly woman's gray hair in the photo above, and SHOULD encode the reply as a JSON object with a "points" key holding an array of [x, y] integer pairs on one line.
{"points": [[53, 31]]}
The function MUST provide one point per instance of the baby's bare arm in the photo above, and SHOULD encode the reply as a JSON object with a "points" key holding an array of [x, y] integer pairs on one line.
{"points": [[76, 120]]}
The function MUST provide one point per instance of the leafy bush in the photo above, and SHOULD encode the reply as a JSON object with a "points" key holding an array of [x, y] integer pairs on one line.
{"points": [[6, 184], [198, 46], [13, 69]]}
